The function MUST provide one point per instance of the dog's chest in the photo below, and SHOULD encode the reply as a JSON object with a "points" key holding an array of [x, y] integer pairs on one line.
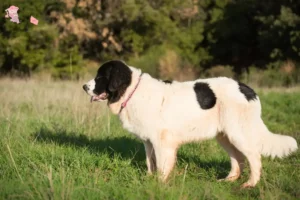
{"points": [[137, 125]]}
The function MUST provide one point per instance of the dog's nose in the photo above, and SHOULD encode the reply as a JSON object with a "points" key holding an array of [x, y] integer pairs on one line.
{"points": [[85, 87]]}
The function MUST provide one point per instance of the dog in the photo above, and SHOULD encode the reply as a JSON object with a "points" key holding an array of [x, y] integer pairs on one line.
{"points": [[165, 115]]}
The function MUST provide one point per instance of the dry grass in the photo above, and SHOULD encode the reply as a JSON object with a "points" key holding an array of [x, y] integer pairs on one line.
{"points": [[45, 99]]}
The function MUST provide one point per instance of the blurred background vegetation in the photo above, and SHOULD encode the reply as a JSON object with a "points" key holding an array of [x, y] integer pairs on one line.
{"points": [[256, 41]]}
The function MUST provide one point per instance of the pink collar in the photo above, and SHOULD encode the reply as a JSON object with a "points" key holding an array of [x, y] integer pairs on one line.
{"points": [[123, 105]]}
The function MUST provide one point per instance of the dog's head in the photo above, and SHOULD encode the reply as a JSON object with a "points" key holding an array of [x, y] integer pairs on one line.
{"points": [[110, 83]]}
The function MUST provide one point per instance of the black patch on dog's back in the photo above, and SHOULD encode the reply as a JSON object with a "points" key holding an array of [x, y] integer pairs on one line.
{"points": [[205, 96], [168, 81], [247, 91]]}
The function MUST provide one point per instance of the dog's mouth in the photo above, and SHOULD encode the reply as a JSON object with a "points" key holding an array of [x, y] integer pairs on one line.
{"points": [[101, 97]]}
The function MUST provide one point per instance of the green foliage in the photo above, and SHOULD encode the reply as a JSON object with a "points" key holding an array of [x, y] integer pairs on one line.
{"points": [[203, 33], [149, 61], [28, 48], [277, 74], [251, 32], [147, 26]]}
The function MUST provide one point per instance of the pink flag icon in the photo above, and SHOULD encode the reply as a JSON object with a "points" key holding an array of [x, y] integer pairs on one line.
{"points": [[12, 12], [34, 20]]}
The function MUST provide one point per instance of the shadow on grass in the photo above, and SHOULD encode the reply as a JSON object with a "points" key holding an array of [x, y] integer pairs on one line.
{"points": [[220, 167], [126, 147]]}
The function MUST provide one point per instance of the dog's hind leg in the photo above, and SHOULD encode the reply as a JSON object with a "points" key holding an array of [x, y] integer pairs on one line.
{"points": [[240, 124], [252, 154], [236, 157], [254, 159], [150, 157]]}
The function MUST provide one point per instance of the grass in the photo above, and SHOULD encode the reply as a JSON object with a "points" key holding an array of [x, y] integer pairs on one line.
{"points": [[54, 144]]}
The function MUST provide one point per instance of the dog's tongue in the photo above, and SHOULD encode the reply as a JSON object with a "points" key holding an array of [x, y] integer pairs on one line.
{"points": [[99, 97]]}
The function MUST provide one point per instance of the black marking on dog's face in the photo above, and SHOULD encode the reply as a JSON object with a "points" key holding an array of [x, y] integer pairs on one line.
{"points": [[205, 96], [247, 91], [113, 77], [168, 81]]}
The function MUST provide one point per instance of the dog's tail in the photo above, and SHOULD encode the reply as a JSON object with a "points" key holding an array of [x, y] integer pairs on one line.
{"points": [[276, 145]]}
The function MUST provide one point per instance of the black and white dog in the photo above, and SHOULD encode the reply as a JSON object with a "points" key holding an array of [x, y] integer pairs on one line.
{"points": [[165, 115]]}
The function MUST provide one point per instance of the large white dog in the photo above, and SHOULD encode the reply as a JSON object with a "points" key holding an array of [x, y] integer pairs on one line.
{"points": [[166, 115]]}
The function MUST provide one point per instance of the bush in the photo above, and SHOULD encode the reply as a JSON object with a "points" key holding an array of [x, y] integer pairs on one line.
{"points": [[149, 61], [26, 48], [170, 39], [218, 71], [277, 74]]}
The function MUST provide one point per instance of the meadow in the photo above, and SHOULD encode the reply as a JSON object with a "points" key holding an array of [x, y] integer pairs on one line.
{"points": [[55, 144]]}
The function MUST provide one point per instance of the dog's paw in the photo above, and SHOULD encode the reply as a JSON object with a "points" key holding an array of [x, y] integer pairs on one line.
{"points": [[229, 178], [247, 185], [149, 173]]}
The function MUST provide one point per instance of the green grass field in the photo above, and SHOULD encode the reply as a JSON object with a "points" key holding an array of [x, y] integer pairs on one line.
{"points": [[56, 145]]}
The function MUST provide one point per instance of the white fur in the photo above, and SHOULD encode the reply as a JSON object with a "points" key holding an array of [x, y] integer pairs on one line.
{"points": [[91, 86], [164, 116]]}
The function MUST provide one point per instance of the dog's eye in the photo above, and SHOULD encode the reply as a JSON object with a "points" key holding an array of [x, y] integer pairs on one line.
{"points": [[97, 78]]}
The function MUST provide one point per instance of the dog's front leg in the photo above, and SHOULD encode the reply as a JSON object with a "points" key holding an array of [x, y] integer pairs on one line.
{"points": [[150, 157], [166, 159], [165, 151]]}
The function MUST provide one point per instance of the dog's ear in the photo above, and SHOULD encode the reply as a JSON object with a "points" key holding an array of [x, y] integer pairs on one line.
{"points": [[120, 77]]}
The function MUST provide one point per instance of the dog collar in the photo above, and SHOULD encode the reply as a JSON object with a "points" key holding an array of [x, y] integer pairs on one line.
{"points": [[123, 105]]}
